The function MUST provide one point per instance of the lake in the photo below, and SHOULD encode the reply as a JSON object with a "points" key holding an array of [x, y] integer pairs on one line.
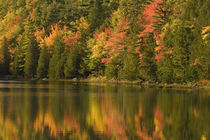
{"points": [[43, 110]]}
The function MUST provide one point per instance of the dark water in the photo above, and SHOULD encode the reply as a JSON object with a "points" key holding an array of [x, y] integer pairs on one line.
{"points": [[66, 110]]}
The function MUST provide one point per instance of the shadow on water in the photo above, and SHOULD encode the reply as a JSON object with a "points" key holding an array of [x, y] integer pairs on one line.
{"points": [[38, 110]]}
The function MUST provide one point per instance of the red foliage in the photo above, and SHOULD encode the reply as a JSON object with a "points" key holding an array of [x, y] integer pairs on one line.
{"points": [[71, 39], [148, 16], [16, 20], [115, 43], [149, 19]]}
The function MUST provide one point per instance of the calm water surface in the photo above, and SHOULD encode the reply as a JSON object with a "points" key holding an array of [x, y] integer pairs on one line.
{"points": [[67, 110]]}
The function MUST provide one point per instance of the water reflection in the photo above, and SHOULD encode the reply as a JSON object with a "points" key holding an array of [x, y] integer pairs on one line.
{"points": [[63, 110]]}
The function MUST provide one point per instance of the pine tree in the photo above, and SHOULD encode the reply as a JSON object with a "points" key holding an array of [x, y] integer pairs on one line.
{"points": [[180, 54], [130, 67], [43, 63], [32, 52], [147, 64], [19, 60], [165, 69], [96, 15], [56, 65], [72, 65], [4, 57]]}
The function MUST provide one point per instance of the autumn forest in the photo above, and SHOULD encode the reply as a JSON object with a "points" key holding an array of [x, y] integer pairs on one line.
{"points": [[166, 41]]}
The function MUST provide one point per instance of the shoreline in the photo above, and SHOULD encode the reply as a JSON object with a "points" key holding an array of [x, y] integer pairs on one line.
{"points": [[193, 85], [204, 84]]}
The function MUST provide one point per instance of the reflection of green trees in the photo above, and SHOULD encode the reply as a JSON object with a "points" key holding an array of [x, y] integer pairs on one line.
{"points": [[52, 112]]}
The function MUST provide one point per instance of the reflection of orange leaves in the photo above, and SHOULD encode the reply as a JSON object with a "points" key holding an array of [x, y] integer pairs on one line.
{"points": [[159, 117], [11, 129], [38, 124], [141, 130], [114, 121], [70, 122], [158, 120], [169, 120], [49, 121]]}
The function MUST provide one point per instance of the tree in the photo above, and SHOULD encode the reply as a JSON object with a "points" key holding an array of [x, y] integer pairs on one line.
{"points": [[19, 60], [32, 52], [56, 65], [72, 65], [4, 57], [43, 63], [148, 65]]}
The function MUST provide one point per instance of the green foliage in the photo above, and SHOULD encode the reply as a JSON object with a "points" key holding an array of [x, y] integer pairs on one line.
{"points": [[148, 66], [130, 67], [72, 65], [43, 63], [165, 69], [56, 65], [4, 57], [160, 40], [19, 60], [32, 52]]}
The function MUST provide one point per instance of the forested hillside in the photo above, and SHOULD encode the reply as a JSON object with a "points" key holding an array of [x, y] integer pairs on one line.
{"points": [[165, 41]]}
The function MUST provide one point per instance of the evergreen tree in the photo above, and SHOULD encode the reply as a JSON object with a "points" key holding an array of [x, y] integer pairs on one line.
{"points": [[96, 15], [147, 64], [4, 57], [180, 54], [130, 67], [56, 65], [43, 63], [32, 52], [19, 60], [72, 65], [165, 69]]}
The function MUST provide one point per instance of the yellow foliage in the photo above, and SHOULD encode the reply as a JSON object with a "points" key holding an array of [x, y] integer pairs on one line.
{"points": [[206, 32], [96, 46], [55, 31]]}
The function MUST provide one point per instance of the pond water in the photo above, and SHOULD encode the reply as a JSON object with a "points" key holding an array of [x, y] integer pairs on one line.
{"points": [[69, 110]]}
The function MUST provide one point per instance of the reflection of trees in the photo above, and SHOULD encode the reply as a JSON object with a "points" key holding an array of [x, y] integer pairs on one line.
{"points": [[147, 116]]}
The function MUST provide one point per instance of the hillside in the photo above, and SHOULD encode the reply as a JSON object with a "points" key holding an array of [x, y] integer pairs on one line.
{"points": [[166, 41]]}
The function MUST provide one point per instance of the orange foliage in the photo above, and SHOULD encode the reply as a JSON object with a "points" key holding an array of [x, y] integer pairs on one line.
{"points": [[33, 15], [149, 14], [72, 39], [39, 35], [55, 31], [195, 62], [115, 43], [16, 20]]}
